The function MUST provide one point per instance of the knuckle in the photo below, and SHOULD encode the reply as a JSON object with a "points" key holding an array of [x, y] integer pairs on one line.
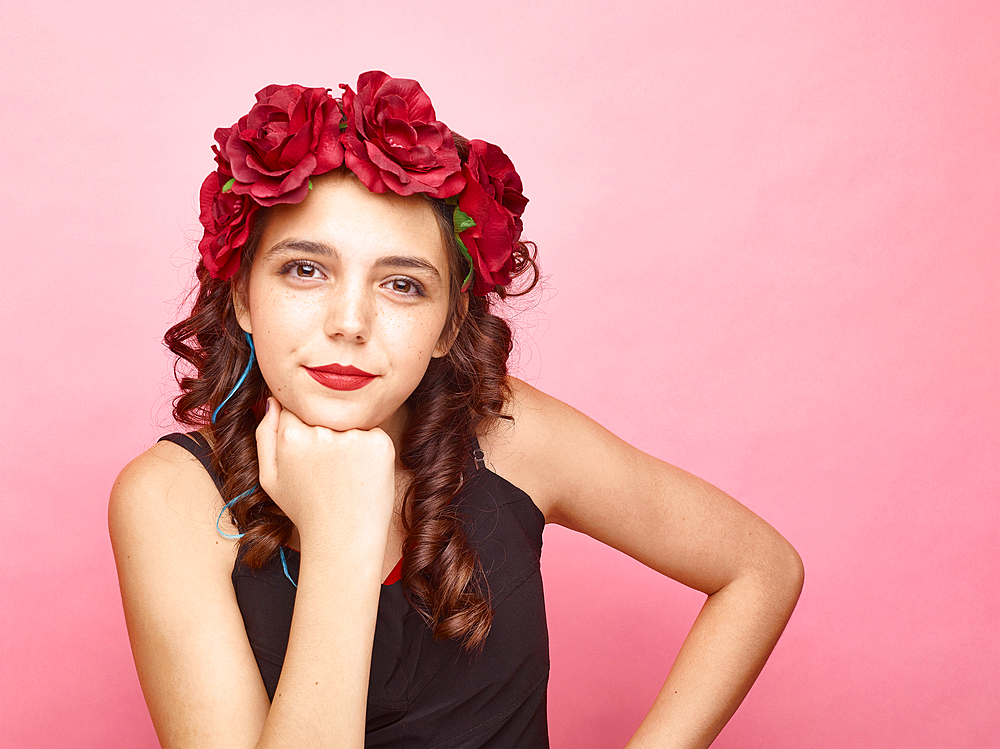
{"points": [[382, 440], [292, 433]]}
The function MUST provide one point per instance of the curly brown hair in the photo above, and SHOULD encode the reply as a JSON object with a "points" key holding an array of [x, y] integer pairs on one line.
{"points": [[459, 397]]}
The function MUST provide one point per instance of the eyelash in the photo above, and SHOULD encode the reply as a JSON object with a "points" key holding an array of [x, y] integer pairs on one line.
{"points": [[418, 288], [292, 265]]}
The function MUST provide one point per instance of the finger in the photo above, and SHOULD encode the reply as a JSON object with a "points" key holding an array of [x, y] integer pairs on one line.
{"points": [[290, 432], [267, 438], [290, 418]]}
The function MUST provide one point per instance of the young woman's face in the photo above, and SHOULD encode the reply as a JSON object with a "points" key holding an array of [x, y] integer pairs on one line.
{"points": [[346, 302]]}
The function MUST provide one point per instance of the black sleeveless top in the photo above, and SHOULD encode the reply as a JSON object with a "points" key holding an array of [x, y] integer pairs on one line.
{"points": [[423, 693]]}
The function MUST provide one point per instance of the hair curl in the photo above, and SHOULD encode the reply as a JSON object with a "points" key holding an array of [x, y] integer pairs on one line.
{"points": [[460, 395]]}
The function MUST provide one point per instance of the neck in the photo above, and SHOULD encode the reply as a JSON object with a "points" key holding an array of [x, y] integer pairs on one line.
{"points": [[394, 426]]}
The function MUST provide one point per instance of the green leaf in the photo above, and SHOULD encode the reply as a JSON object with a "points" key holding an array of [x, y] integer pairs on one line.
{"points": [[463, 221], [229, 185], [465, 252], [310, 183], [464, 249], [468, 281]]}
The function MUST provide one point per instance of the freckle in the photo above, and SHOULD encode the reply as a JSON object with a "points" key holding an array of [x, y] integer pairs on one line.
{"points": [[317, 683]]}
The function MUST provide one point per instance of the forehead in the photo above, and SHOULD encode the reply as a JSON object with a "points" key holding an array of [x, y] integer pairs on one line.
{"points": [[341, 213]]}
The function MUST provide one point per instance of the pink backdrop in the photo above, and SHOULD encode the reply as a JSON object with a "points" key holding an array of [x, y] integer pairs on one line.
{"points": [[771, 238]]}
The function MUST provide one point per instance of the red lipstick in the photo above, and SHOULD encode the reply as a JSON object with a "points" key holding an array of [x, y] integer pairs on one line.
{"points": [[341, 377]]}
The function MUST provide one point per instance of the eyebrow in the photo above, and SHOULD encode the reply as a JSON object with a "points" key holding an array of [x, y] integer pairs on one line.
{"points": [[324, 250]]}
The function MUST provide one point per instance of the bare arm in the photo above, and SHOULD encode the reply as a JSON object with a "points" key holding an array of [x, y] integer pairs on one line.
{"points": [[194, 662], [585, 478]]}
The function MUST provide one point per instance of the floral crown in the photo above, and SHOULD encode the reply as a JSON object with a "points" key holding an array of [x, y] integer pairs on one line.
{"points": [[388, 136]]}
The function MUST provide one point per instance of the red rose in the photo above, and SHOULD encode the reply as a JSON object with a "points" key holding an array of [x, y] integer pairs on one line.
{"points": [[226, 217], [393, 140], [221, 136], [290, 134], [492, 198]]}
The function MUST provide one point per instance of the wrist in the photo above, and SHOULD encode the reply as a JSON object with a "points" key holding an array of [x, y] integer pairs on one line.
{"points": [[352, 543]]}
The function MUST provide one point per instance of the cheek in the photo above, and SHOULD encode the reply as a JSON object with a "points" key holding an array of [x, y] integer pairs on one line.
{"points": [[415, 340], [285, 319], [279, 331]]}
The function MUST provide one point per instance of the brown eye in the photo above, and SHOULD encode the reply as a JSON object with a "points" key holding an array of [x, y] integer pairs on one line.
{"points": [[302, 270], [405, 287]]}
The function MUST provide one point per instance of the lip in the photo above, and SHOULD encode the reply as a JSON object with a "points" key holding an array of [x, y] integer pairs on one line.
{"points": [[341, 376]]}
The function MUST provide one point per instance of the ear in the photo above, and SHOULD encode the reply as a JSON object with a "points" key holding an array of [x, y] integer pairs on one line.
{"points": [[241, 307], [448, 337]]}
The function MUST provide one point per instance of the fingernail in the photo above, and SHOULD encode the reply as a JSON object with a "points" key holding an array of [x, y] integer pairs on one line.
{"points": [[267, 405]]}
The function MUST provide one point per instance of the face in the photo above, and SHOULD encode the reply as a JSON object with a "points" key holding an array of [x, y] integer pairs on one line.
{"points": [[346, 301]]}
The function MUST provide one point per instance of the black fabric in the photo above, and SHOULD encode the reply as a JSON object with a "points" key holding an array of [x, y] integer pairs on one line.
{"points": [[424, 693]]}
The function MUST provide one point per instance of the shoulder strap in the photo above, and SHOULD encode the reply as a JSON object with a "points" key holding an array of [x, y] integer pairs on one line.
{"points": [[196, 444]]}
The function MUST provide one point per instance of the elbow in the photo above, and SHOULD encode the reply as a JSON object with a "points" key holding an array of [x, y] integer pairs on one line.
{"points": [[774, 569], [796, 571], [786, 574]]}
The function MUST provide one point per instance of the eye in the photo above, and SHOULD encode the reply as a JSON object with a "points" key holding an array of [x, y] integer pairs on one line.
{"points": [[302, 269], [404, 286]]}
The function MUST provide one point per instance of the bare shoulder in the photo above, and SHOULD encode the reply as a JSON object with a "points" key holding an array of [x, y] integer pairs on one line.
{"points": [[164, 490], [534, 449], [151, 474], [161, 518]]}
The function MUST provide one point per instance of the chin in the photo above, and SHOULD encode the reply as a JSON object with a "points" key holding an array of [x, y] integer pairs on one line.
{"points": [[340, 419], [339, 422]]}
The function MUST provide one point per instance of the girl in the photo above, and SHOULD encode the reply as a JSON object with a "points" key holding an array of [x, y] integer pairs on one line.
{"points": [[345, 551]]}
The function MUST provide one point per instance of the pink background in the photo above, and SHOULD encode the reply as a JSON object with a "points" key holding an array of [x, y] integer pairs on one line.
{"points": [[770, 232]]}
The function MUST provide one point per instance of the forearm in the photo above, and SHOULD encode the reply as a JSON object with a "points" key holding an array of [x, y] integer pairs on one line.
{"points": [[338, 488], [321, 697], [721, 657]]}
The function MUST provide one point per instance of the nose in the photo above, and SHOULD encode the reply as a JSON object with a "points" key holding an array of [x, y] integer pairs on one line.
{"points": [[349, 312]]}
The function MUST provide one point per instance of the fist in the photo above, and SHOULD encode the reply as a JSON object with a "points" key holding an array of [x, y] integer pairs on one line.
{"points": [[339, 483]]}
